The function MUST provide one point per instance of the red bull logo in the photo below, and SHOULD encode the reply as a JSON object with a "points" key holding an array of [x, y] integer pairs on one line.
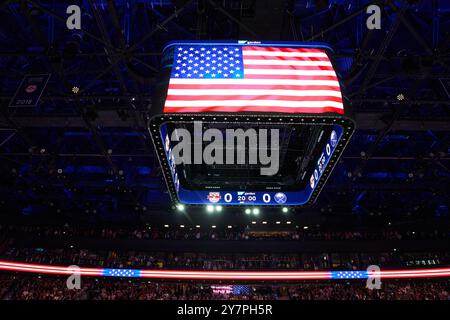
{"points": [[214, 197]]}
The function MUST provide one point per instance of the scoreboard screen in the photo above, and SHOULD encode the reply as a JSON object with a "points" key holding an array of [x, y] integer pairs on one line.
{"points": [[257, 123]]}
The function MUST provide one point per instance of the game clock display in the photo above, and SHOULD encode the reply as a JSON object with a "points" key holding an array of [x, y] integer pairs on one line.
{"points": [[287, 88]]}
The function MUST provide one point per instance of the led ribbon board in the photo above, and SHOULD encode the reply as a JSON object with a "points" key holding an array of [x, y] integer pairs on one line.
{"points": [[288, 88], [443, 272]]}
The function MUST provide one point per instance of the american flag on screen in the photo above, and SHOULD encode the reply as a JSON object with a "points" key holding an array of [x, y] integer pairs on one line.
{"points": [[231, 78]]}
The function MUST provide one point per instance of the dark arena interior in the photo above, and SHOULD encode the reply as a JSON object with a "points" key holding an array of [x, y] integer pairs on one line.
{"points": [[93, 205]]}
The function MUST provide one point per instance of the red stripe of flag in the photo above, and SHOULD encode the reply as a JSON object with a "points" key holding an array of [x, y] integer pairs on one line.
{"points": [[251, 86], [287, 76], [253, 97]]}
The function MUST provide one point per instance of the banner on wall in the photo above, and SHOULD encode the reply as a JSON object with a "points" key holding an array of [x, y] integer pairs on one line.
{"points": [[30, 90]]}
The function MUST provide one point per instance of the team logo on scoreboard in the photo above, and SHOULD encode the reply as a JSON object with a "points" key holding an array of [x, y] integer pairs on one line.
{"points": [[312, 181], [280, 198], [214, 197], [167, 143], [333, 139]]}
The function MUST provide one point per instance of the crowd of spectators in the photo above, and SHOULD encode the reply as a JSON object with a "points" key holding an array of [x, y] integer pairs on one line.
{"points": [[26, 287], [54, 288], [193, 233]]}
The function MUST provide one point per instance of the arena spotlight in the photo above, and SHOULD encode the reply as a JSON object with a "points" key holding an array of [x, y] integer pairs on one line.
{"points": [[209, 208], [248, 211], [218, 208], [180, 207], [75, 89], [255, 211], [285, 209]]}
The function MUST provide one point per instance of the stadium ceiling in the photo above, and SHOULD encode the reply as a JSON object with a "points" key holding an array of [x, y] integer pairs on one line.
{"points": [[87, 150]]}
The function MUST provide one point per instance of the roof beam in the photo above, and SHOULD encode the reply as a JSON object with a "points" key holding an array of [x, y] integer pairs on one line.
{"points": [[364, 121]]}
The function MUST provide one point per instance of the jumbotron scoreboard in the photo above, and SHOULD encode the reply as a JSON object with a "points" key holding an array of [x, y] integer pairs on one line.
{"points": [[283, 103]]}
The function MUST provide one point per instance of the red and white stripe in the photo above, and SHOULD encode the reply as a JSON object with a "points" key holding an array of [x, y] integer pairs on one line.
{"points": [[288, 80], [47, 269], [235, 275], [224, 275]]}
